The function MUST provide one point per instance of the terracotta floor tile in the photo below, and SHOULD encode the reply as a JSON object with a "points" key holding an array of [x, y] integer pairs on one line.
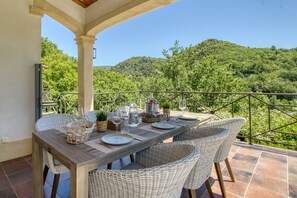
{"points": [[13, 161], [272, 164], [292, 153], [15, 166], [245, 158], [4, 183], [1, 172], [249, 151], [274, 150], [274, 157], [271, 184], [28, 157], [29, 161], [21, 176], [240, 175], [256, 191], [7, 193], [238, 188], [292, 164], [234, 148], [293, 178], [292, 169], [276, 173], [293, 190], [23, 189], [217, 194], [245, 166]]}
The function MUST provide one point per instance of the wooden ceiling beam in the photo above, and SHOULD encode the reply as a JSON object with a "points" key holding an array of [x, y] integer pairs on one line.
{"points": [[84, 3], [89, 2]]}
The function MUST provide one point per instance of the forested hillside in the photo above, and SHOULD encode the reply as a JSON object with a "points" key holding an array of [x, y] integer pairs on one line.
{"points": [[212, 65], [215, 65], [138, 67]]}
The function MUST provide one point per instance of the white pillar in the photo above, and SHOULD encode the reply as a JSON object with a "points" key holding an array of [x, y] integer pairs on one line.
{"points": [[85, 72]]}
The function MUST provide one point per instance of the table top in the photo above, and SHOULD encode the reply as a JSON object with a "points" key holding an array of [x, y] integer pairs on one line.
{"points": [[94, 153]]}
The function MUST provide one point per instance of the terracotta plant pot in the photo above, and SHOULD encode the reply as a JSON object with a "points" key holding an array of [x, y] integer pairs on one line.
{"points": [[101, 126]]}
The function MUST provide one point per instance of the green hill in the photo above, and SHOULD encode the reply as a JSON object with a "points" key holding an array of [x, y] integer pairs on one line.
{"points": [[138, 67], [254, 69]]}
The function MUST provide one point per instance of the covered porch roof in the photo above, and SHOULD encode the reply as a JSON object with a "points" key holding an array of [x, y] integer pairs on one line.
{"points": [[86, 18]]}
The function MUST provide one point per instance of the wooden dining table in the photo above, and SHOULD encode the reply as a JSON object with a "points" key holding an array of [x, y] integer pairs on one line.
{"points": [[82, 158]]}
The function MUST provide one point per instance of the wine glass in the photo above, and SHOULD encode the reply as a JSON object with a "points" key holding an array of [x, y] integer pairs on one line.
{"points": [[183, 105], [116, 118], [155, 112], [124, 112]]}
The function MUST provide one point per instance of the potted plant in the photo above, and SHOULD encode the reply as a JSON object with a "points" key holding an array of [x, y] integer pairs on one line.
{"points": [[166, 108], [101, 121]]}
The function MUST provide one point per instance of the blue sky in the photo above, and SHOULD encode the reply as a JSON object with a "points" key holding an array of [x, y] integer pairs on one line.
{"points": [[253, 23]]}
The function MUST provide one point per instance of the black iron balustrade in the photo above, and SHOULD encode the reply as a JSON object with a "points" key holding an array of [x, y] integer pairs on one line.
{"points": [[269, 115]]}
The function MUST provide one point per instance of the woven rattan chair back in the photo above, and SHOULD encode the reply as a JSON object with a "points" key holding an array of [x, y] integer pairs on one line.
{"points": [[234, 126], [207, 141], [166, 169]]}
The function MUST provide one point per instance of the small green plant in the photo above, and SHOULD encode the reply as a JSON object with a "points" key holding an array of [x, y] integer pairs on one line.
{"points": [[101, 115], [166, 105]]}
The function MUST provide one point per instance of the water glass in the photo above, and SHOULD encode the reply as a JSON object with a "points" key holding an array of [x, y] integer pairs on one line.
{"points": [[183, 105], [164, 118], [116, 118]]}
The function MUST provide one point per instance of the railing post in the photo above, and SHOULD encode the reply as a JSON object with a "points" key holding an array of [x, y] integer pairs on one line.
{"points": [[60, 101], [269, 118], [232, 109], [140, 100], [250, 119]]}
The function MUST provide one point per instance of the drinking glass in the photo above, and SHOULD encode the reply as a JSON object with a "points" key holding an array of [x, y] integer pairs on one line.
{"points": [[124, 112], [116, 118], [125, 129], [183, 105], [164, 118]]}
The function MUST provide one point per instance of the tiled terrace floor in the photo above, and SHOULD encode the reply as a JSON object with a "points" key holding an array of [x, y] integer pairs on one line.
{"points": [[259, 172]]}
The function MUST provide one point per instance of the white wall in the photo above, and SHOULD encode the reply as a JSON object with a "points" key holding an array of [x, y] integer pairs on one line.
{"points": [[20, 46]]}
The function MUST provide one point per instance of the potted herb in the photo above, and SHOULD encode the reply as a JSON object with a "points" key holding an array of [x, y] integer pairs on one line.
{"points": [[101, 121], [166, 108]]}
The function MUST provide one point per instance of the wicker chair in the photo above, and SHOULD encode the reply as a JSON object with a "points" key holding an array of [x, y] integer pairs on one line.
{"points": [[159, 171], [234, 126], [207, 141], [45, 123]]}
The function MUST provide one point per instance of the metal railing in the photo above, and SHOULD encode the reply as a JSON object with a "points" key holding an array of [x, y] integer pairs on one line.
{"points": [[271, 117]]}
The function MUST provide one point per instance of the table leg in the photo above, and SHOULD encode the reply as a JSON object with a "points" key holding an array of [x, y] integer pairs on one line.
{"points": [[78, 182], [37, 165]]}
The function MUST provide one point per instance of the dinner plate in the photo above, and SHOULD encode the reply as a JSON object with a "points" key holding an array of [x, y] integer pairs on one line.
{"points": [[117, 139], [161, 125], [187, 117]]}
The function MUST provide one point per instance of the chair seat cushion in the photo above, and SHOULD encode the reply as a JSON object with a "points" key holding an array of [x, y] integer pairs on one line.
{"points": [[133, 166]]}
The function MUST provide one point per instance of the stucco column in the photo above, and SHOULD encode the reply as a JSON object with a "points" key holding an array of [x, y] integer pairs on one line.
{"points": [[85, 72]]}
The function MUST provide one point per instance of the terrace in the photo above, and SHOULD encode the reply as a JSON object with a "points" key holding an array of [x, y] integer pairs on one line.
{"points": [[260, 171]]}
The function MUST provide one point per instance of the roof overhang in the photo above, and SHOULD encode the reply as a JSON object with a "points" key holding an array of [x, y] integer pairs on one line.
{"points": [[97, 16]]}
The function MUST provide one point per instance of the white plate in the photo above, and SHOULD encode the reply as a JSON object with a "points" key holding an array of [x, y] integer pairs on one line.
{"points": [[161, 125], [187, 117], [117, 139]]}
